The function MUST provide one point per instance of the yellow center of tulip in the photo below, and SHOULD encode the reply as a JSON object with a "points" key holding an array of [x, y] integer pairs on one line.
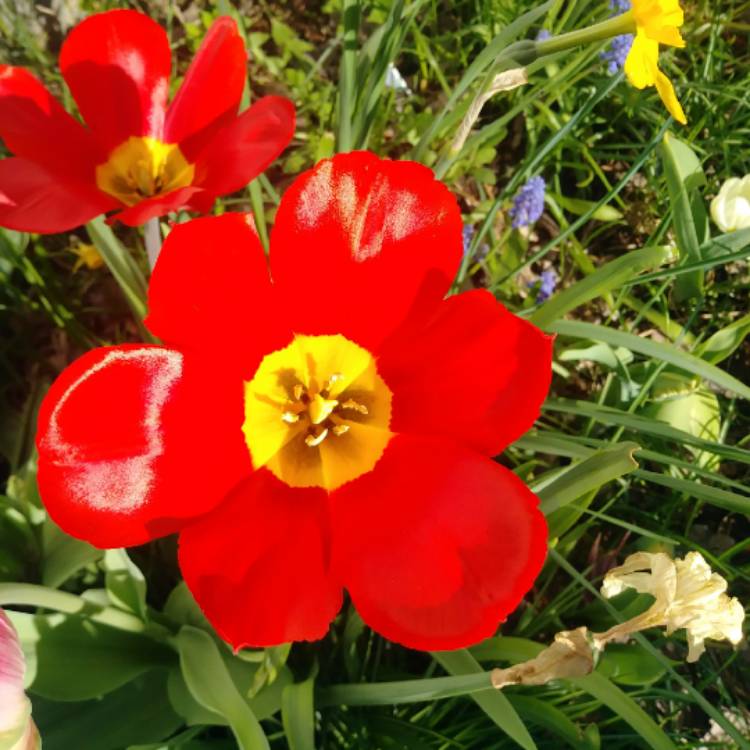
{"points": [[143, 167], [317, 413]]}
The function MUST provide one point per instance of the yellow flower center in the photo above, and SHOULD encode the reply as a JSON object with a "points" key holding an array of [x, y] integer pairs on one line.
{"points": [[317, 412], [143, 167]]}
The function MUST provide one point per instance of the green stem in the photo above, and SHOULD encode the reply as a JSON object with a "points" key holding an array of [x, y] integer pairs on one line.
{"points": [[622, 24]]}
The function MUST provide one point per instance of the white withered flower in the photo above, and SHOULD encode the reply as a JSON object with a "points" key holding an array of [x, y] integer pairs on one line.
{"points": [[17, 730], [730, 209], [687, 593]]}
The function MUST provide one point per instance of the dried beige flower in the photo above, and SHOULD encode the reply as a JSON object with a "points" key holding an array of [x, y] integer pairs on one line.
{"points": [[570, 655], [687, 595]]}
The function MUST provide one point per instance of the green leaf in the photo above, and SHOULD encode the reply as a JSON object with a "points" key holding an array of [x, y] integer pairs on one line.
{"points": [[62, 555], [630, 664], [125, 583], [685, 176], [724, 342], [720, 498], [207, 677], [623, 706], [546, 715], [590, 474], [608, 415], [298, 714], [71, 658], [653, 350], [122, 265], [402, 691], [580, 207], [689, 406], [726, 244], [182, 608], [605, 279], [138, 712], [493, 702]]}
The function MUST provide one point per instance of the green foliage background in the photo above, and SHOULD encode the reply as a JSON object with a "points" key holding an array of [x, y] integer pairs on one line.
{"points": [[651, 317]]}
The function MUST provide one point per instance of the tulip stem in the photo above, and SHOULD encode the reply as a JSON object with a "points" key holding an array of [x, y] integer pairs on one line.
{"points": [[152, 237]]}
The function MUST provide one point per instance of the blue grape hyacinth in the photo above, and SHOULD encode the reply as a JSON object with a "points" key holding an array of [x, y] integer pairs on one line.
{"points": [[528, 205], [620, 46], [547, 285], [617, 53]]}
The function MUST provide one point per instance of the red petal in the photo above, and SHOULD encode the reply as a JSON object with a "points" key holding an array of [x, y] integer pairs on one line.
{"points": [[259, 565], [34, 125], [210, 288], [159, 205], [358, 241], [210, 94], [437, 545], [135, 439], [246, 146], [472, 371], [34, 200], [117, 67]]}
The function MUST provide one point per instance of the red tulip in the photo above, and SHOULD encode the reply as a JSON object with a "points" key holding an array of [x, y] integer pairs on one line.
{"points": [[327, 426], [135, 154]]}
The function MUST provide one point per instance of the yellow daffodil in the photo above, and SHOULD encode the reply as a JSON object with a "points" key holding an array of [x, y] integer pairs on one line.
{"points": [[657, 22], [687, 595]]}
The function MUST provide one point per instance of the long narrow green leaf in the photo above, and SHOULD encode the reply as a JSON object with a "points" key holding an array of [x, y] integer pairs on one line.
{"points": [[622, 705], [29, 594], [402, 691], [684, 175], [298, 714], [603, 280], [720, 498], [347, 76], [209, 683], [653, 349], [545, 714], [122, 265], [492, 702], [590, 474], [610, 416], [726, 244]]}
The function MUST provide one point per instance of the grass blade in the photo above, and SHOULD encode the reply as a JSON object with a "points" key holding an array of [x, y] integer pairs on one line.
{"points": [[652, 349], [492, 701], [590, 474]]}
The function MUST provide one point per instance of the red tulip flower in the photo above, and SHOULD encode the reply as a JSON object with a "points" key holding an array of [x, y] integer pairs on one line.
{"points": [[134, 154], [325, 427]]}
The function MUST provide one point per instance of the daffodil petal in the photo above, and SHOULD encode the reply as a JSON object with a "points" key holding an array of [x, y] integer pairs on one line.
{"points": [[669, 97], [669, 35], [641, 63]]}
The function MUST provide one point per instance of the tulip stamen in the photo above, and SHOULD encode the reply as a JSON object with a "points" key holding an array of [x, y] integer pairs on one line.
{"points": [[330, 427], [143, 167], [319, 410]]}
